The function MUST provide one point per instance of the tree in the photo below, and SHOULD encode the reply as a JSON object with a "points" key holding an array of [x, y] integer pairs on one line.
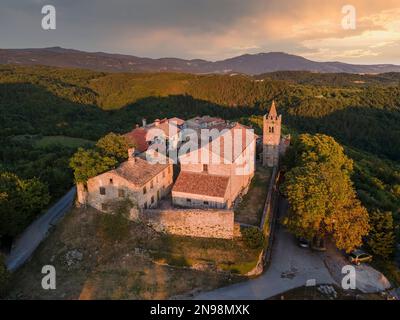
{"points": [[20, 202], [89, 163], [381, 238], [321, 195], [114, 145]]}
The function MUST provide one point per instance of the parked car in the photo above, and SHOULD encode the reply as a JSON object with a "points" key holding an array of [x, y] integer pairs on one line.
{"points": [[318, 244], [359, 256], [303, 243]]}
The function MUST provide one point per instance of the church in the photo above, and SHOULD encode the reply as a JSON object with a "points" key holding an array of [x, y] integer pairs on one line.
{"points": [[274, 144]]}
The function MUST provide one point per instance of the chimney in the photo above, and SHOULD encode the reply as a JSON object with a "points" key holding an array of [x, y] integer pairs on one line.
{"points": [[144, 122], [131, 155], [157, 122]]}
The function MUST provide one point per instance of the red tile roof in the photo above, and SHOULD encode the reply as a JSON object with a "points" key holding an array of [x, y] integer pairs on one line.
{"points": [[138, 137], [201, 184]]}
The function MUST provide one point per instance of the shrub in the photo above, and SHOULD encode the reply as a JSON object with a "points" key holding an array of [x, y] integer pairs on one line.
{"points": [[253, 237], [115, 226]]}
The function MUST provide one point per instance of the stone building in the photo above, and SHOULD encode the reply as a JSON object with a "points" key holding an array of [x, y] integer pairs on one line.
{"points": [[167, 129], [220, 172], [271, 137], [144, 183]]}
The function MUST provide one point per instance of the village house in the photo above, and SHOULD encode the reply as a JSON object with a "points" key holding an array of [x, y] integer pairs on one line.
{"points": [[144, 183], [219, 174], [168, 129]]}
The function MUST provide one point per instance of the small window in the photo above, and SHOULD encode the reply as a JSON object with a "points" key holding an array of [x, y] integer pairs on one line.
{"points": [[111, 181], [206, 203], [151, 184], [102, 191], [121, 193], [152, 199], [163, 174], [205, 167], [189, 200], [145, 205], [144, 190]]}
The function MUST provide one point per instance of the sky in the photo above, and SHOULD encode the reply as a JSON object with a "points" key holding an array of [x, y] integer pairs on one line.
{"points": [[209, 29]]}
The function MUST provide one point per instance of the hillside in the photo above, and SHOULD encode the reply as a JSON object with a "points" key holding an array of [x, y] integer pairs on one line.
{"points": [[250, 64], [46, 113]]}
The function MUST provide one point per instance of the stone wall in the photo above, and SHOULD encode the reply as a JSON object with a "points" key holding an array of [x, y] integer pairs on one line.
{"points": [[192, 222]]}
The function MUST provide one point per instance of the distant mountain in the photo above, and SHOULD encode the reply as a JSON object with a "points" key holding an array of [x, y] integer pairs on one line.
{"points": [[250, 64]]}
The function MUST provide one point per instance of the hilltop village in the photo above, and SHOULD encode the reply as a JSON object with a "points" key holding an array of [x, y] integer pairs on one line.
{"points": [[202, 187]]}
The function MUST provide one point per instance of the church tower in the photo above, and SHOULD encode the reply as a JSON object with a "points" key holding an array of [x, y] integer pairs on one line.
{"points": [[271, 137]]}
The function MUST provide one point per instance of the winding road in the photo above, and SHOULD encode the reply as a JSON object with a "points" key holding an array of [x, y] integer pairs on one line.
{"points": [[30, 239], [291, 267]]}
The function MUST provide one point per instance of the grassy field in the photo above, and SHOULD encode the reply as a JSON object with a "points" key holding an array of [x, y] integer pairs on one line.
{"points": [[145, 265], [251, 208]]}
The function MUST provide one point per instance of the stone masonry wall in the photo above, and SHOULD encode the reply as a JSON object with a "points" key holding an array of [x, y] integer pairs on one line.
{"points": [[192, 222]]}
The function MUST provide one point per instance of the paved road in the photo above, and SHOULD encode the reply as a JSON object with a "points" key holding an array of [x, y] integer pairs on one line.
{"points": [[37, 231], [291, 267]]}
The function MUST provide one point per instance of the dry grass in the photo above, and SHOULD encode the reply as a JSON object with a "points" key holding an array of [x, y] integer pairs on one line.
{"points": [[251, 208], [134, 268]]}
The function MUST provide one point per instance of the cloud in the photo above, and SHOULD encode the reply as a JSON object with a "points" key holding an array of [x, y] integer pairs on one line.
{"points": [[209, 29]]}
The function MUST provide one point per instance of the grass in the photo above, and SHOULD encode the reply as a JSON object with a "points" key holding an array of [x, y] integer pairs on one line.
{"points": [[250, 210], [64, 141], [144, 265]]}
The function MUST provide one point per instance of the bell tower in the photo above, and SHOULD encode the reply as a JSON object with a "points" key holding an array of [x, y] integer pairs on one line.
{"points": [[271, 137]]}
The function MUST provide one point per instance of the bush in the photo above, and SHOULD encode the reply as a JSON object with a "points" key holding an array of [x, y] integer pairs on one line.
{"points": [[253, 237], [115, 226]]}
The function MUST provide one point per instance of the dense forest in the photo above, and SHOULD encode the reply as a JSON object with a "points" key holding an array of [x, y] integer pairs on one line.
{"points": [[47, 113]]}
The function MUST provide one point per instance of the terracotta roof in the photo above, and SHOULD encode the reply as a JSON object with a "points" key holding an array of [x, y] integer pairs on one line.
{"points": [[139, 171], [138, 137], [201, 184], [178, 121]]}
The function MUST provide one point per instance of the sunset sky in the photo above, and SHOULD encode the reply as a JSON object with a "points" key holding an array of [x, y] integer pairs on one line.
{"points": [[209, 29]]}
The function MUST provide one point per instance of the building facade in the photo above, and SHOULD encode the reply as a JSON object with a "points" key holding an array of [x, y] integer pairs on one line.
{"points": [[143, 183], [271, 137], [215, 174]]}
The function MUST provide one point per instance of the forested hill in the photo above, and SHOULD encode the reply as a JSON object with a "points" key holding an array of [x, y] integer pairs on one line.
{"points": [[247, 63], [47, 113], [51, 101]]}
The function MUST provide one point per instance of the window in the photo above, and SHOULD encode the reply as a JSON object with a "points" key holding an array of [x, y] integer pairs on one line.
{"points": [[206, 203], [152, 199], [145, 205], [104, 207], [205, 167], [144, 190], [102, 191], [169, 169], [163, 174], [188, 200], [111, 181], [158, 195], [151, 184], [121, 193]]}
